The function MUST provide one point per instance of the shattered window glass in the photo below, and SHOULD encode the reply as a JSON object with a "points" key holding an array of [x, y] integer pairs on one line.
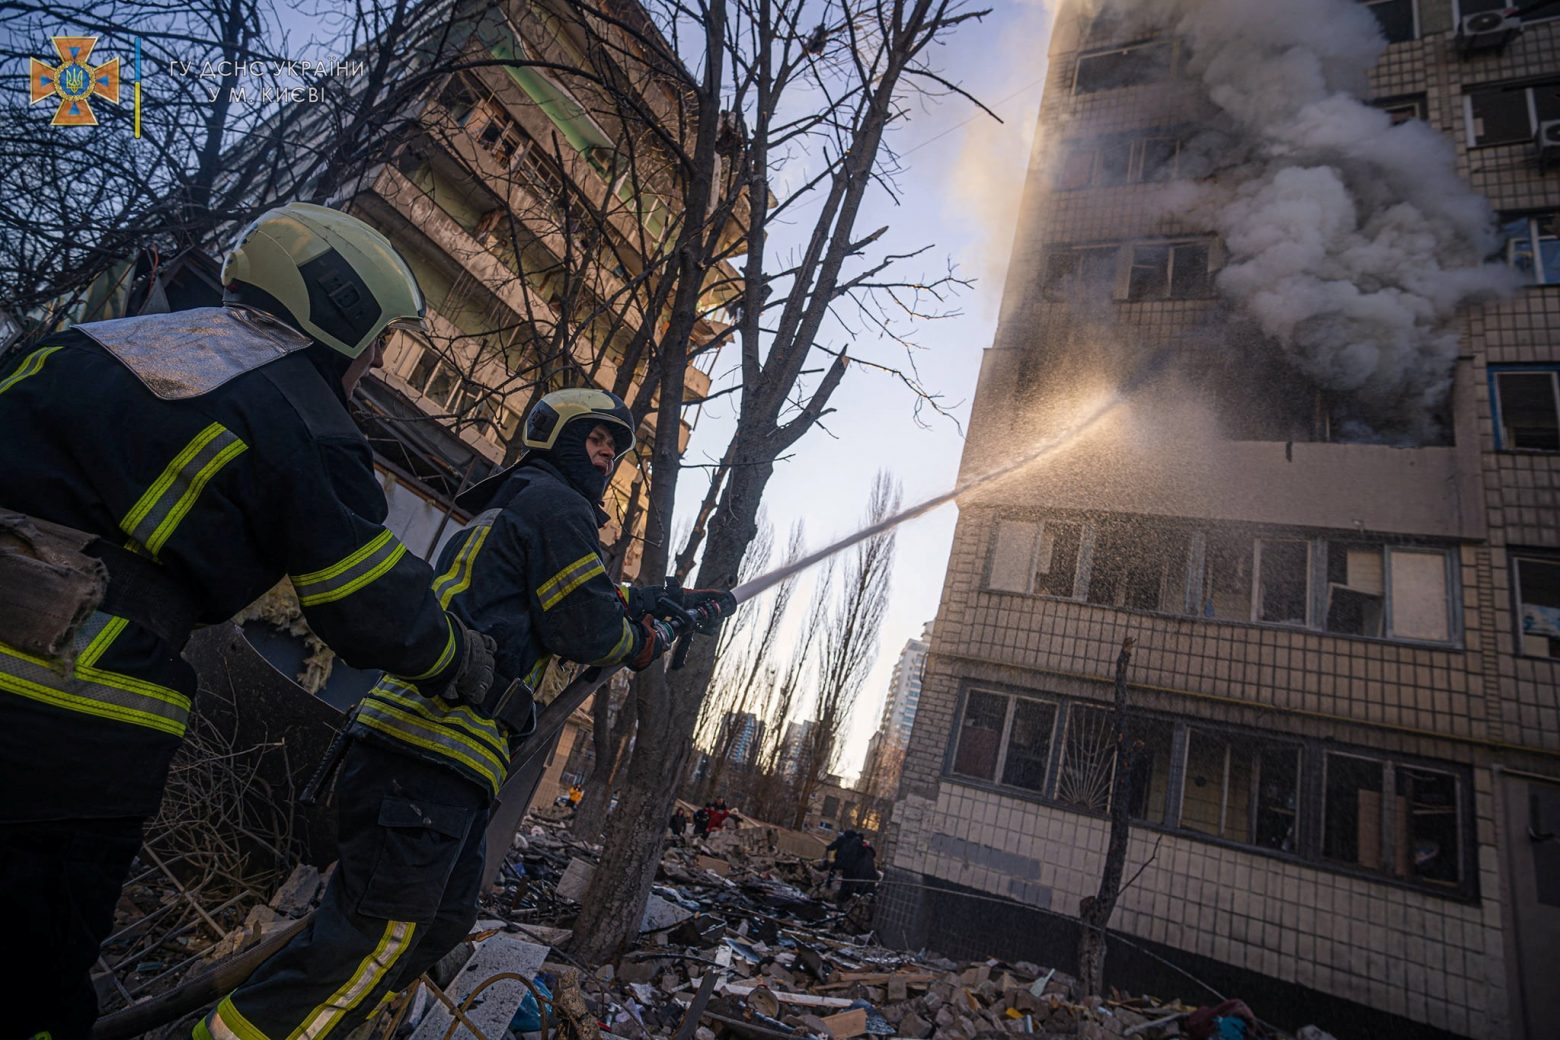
{"points": [[1189, 274], [1123, 67], [1500, 116], [1529, 410], [1356, 589], [1396, 18], [1430, 849], [1226, 586], [1139, 566], [1029, 744], [1538, 605], [1057, 560], [1281, 582], [980, 735], [1151, 770], [1088, 759], [1150, 276], [1351, 810], [1242, 790]]}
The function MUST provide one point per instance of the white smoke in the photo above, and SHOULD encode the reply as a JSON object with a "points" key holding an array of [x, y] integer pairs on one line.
{"points": [[1351, 242]]}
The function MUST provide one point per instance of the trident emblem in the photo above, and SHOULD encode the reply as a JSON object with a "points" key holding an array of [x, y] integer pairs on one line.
{"points": [[75, 81]]}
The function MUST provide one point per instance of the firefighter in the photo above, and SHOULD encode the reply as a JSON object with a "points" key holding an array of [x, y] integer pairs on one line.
{"points": [[210, 453], [527, 571]]}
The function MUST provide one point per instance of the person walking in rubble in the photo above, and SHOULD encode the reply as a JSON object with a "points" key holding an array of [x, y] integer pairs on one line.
{"points": [[420, 775], [201, 456]]}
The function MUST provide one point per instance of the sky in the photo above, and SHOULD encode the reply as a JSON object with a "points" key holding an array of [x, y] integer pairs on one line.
{"points": [[960, 194]]}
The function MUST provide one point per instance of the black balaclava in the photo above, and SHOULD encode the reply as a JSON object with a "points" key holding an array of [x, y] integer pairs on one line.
{"points": [[568, 454]]}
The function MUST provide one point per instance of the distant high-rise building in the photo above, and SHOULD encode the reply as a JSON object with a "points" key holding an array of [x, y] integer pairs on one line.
{"points": [[904, 690], [741, 735], [793, 746]]}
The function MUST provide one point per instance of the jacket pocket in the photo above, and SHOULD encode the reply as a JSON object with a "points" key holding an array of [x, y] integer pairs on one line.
{"points": [[417, 848]]}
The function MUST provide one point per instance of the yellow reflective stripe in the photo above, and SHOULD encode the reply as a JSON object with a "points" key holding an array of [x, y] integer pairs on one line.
{"points": [[545, 590], [364, 565], [94, 691], [396, 725], [458, 578], [226, 1023], [397, 939], [155, 515], [440, 712], [444, 658], [31, 367], [623, 643]]}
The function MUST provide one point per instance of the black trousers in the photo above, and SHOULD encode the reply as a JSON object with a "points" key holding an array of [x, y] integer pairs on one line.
{"points": [[59, 882], [403, 895]]}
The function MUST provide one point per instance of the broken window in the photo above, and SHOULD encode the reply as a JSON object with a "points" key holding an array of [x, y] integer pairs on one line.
{"points": [[1139, 566], [1534, 14], [1241, 790], [1123, 67], [1226, 584], [1076, 168], [1012, 556], [1072, 271], [1527, 409], [1356, 589], [1402, 109], [1029, 744], [1431, 849], [980, 735], [1510, 114], [1414, 834], [1530, 245], [1151, 769], [1056, 563], [1088, 759], [1154, 158], [1538, 604], [1420, 600], [1175, 271], [1115, 161], [1282, 566], [1351, 810], [1396, 18]]}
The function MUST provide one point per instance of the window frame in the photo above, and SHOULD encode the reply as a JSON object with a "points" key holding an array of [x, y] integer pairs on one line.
{"points": [[1171, 68], [1413, 6], [1309, 784], [1458, 15], [1532, 218], [1472, 139], [1009, 709], [1515, 555], [1495, 372], [1395, 102], [1171, 246]]}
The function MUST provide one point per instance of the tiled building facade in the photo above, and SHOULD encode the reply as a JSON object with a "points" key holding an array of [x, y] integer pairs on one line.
{"points": [[1346, 682]]}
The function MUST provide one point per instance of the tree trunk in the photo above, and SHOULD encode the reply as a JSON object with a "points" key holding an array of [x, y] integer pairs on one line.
{"points": [[1095, 911], [607, 733]]}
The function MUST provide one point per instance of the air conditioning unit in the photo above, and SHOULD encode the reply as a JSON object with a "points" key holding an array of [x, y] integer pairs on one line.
{"points": [[1547, 141], [1488, 30]]}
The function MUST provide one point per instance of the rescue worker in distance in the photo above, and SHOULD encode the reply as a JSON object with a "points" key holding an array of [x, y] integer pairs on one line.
{"points": [[420, 775], [211, 454]]}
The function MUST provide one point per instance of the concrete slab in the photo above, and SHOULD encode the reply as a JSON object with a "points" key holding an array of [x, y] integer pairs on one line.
{"points": [[496, 1005], [659, 913]]}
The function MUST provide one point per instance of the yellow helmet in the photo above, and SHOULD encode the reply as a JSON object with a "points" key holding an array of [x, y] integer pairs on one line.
{"points": [[555, 411], [327, 273]]}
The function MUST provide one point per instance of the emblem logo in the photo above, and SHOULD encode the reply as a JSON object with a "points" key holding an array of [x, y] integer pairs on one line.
{"points": [[74, 80]]}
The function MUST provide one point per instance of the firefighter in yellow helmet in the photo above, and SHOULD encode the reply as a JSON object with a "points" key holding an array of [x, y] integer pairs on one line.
{"points": [[527, 571], [201, 456]]}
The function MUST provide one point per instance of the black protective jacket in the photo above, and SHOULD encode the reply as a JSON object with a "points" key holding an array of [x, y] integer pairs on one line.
{"points": [[527, 571], [227, 492]]}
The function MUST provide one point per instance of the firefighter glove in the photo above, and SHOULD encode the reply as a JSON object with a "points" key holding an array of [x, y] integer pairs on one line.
{"points": [[658, 638], [475, 674]]}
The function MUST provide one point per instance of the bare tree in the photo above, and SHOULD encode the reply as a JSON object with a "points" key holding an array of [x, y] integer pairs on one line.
{"points": [[850, 638], [1095, 911]]}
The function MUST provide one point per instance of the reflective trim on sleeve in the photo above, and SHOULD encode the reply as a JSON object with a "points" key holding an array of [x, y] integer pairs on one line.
{"points": [[95, 691], [365, 565], [158, 512], [444, 657], [554, 589], [624, 644], [31, 367], [413, 720], [458, 578]]}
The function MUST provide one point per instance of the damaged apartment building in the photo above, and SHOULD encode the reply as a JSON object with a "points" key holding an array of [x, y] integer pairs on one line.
{"points": [[1298, 290]]}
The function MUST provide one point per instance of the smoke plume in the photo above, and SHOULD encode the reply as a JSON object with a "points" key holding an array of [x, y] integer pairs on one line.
{"points": [[1352, 242]]}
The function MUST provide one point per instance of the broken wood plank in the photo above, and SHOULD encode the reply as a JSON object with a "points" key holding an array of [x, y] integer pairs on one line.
{"points": [[742, 989], [847, 1023]]}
